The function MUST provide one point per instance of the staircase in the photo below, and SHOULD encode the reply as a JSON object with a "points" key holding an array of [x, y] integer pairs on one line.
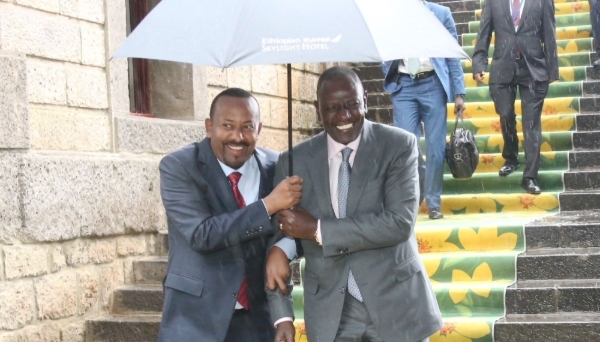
{"points": [[135, 310], [505, 265]]}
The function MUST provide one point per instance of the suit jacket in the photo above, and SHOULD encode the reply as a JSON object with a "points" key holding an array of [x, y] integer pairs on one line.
{"points": [[211, 244], [535, 37], [376, 239], [448, 70]]}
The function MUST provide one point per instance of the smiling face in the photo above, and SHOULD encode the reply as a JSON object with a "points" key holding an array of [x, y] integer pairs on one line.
{"points": [[341, 107], [233, 129]]}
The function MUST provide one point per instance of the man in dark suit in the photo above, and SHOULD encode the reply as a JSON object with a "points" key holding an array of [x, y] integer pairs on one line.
{"points": [[218, 199], [364, 279], [595, 21], [420, 95], [525, 56]]}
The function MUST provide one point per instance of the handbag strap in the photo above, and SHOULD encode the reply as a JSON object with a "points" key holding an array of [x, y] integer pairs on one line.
{"points": [[459, 114]]}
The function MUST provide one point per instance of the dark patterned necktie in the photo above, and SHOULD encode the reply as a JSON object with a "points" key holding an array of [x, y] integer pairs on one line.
{"points": [[234, 179], [343, 187]]}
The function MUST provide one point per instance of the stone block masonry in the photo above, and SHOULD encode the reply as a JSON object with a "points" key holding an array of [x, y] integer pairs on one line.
{"points": [[79, 181], [50, 287]]}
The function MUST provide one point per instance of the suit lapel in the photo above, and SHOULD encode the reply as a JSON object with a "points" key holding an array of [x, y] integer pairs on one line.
{"points": [[505, 5], [217, 180], [264, 187], [525, 12], [319, 173], [364, 164]]}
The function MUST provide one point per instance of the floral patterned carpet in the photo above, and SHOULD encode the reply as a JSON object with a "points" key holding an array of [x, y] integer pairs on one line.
{"points": [[470, 255]]}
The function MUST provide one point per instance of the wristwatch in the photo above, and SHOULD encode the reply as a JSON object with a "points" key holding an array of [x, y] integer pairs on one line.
{"points": [[461, 95]]}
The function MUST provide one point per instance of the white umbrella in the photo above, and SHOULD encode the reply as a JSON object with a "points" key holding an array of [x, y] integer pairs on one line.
{"points": [[228, 33]]}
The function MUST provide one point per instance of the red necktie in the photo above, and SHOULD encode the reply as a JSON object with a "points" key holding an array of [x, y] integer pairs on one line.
{"points": [[516, 16], [234, 179]]}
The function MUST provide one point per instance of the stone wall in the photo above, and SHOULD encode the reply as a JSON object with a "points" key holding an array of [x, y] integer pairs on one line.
{"points": [[79, 187]]}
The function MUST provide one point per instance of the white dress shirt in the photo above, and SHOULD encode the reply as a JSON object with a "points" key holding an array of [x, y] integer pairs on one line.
{"points": [[249, 186], [334, 156], [425, 65]]}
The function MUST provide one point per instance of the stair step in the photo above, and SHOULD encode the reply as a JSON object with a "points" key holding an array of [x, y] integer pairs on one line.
{"points": [[580, 34], [368, 73], [567, 229], [579, 200], [548, 328], [584, 160], [463, 17], [582, 180], [138, 299], [563, 263], [586, 140], [461, 29], [123, 329], [491, 182], [545, 297], [149, 271], [589, 105], [588, 122]]}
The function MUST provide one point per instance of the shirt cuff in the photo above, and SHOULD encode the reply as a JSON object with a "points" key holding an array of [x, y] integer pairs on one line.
{"points": [[266, 209], [284, 319], [288, 246], [319, 239]]}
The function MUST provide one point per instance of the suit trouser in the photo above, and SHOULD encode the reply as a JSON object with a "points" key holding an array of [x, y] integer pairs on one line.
{"points": [[532, 100], [424, 100], [595, 20], [356, 324], [242, 328]]}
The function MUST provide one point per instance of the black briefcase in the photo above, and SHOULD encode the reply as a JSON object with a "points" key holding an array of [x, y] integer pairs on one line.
{"points": [[461, 152]]}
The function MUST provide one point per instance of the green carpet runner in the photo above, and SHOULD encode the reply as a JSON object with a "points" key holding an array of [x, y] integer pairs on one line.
{"points": [[470, 255]]}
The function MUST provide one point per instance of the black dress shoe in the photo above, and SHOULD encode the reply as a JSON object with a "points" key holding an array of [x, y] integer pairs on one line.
{"points": [[435, 213], [596, 65], [507, 169], [531, 186]]}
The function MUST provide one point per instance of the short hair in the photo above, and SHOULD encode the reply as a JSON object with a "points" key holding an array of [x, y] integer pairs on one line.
{"points": [[337, 73], [231, 92]]}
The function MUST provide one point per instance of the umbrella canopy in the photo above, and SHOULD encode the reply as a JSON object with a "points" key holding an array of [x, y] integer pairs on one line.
{"points": [[250, 32], [253, 32]]}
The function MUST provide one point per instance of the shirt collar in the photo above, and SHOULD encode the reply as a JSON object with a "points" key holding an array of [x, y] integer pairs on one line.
{"points": [[249, 166], [334, 147]]}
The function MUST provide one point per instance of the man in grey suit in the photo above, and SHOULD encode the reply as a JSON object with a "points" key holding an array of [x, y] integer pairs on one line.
{"points": [[364, 279], [525, 56], [218, 199]]}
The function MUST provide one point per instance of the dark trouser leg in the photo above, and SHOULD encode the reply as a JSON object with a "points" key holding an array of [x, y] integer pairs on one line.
{"points": [[242, 328], [532, 100], [595, 20], [504, 96], [407, 115]]}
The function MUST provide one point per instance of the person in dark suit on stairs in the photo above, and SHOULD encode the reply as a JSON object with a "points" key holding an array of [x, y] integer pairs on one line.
{"points": [[595, 21], [525, 56], [218, 199]]}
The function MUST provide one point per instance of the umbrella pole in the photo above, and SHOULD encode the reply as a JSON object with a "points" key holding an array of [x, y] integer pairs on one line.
{"points": [[289, 94]]}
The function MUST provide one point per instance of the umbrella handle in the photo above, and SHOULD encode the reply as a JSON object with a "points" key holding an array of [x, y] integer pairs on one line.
{"points": [[289, 95]]}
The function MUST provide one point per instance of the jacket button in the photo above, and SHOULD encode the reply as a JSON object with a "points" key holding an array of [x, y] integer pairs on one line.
{"points": [[342, 290], [235, 294]]}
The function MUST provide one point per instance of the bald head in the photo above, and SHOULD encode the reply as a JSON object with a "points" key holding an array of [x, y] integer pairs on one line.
{"points": [[338, 73]]}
